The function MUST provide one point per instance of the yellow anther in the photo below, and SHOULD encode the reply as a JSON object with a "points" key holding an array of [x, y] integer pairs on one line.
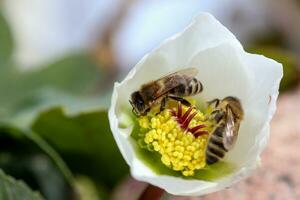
{"points": [[188, 173], [180, 155], [180, 150], [187, 158], [190, 148], [165, 159], [169, 149]]}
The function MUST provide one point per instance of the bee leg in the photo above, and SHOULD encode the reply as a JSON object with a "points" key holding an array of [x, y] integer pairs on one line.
{"points": [[162, 105], [214, 101], [211, 116], [182, 100], [216, 115]]}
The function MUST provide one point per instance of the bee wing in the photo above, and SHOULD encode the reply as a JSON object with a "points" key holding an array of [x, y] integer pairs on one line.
{"points": [[189, 72], [174, 79], [231, 130]]}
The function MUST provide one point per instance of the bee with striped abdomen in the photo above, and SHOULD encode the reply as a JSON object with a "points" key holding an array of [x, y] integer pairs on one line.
{"points": [[174, 86], [228, 114]]}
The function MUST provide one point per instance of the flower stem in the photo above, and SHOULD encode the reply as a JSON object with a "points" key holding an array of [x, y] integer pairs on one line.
{"points": [[152, 193]]}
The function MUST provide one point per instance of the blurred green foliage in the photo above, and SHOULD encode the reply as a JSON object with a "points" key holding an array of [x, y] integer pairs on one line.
{"points": [[27, 157], [85, 142], [6, 42], [70, 82], [53, 124], [10, 189]]}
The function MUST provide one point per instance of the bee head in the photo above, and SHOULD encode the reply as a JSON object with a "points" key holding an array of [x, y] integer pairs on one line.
{"points": [[138, 105]]}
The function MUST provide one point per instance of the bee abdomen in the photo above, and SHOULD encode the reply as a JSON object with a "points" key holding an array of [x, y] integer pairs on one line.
{"points": [[211, 158], [194, 87], [215, 149]]}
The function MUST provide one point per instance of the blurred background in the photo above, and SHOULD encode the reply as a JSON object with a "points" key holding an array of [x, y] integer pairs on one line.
{"points": [[59, 60]]}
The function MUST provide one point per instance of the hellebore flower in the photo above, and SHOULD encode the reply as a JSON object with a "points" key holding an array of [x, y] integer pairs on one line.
{"points": [[167, 149]]}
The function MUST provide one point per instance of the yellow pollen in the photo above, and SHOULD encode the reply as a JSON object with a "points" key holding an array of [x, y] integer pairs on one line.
{"points": [[180, 148]]}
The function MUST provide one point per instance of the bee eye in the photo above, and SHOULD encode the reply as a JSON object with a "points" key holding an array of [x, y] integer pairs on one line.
{"points": [[140, 104], [137, 102], [140, 101]]}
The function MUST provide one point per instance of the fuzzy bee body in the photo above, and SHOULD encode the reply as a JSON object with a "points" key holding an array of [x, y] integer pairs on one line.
{"points": [[188, 87], [228, 114], [215, 149], [175, 86]]}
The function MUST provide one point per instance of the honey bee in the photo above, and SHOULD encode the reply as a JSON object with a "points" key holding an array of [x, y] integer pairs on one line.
{"points": [[228, 114], [174, 86]]}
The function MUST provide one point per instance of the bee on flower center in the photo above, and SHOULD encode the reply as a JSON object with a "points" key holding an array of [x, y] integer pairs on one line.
{"points": [[228, 114], [174, 86]]}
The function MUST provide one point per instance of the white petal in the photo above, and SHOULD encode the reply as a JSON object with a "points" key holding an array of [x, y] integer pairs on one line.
{"points": [[179, 186], [121, 135], [259, 107], [267, 74], [203, 33], [173, 185], [222, 73], [224, 69]]}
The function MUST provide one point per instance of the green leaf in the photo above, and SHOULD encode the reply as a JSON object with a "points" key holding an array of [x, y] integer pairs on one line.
{"points": [[6, 42], [85, 142], [27, 156], [72, 82], [11, 189]]}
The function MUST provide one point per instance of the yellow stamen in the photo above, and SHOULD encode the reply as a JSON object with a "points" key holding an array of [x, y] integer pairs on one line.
{"points": [[181, 147]]}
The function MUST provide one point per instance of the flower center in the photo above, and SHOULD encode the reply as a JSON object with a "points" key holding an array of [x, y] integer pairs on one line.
{"points": [[179, 134]]}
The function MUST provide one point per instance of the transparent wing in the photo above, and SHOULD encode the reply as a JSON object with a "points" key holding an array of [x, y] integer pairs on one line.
{"points": [[172, 80], [231, 130], [188, 72]]}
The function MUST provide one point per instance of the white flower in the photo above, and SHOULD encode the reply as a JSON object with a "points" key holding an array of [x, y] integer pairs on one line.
{"points": [[225, 69]]}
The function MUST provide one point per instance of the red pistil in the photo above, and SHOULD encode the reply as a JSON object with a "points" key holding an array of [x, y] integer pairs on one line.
{"points": [[179, 110], [196, 128], [186, 122], [186, 114], [184, 119], [199, 133]]}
